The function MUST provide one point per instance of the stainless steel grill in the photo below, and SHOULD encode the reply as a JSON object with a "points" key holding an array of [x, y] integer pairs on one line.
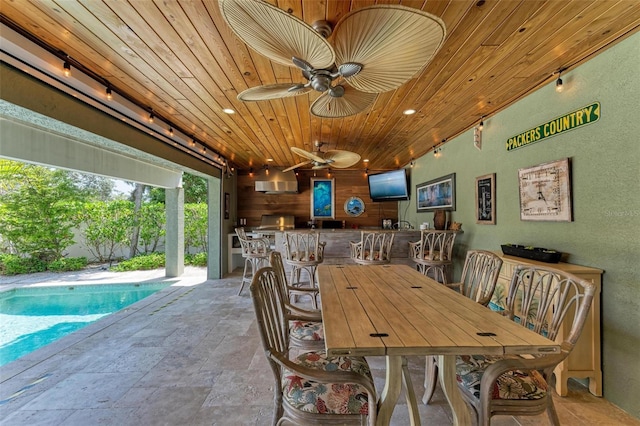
{"points": [[273, 222]]}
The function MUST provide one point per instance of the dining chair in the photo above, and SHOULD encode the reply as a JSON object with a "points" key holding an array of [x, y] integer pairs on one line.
{"points": [[477, 282], [305, 325], [255, 252], [433, 254], [311, 388], [374, 248], [303, 252], [540, 299]]}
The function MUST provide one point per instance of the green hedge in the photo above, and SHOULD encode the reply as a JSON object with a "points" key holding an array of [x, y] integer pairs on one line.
{"points": [[11, 264]]}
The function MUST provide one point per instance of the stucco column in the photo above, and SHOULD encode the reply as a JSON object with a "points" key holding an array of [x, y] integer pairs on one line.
{"points": [[214, 237], [174, 238]]}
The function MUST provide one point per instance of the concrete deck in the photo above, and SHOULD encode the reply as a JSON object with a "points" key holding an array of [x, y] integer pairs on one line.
{"points": [[187, 355]]}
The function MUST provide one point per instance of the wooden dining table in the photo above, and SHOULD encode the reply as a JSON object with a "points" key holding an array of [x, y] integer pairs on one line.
{"points": [[395, 311]]}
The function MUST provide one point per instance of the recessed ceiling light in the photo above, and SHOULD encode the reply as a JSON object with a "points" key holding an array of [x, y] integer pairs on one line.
{"points": [[366, 160], [228, 111], [269, 159], [409, 111]]}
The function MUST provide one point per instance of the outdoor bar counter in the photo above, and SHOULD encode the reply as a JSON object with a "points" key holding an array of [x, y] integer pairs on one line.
{"points": [[337, 249]]}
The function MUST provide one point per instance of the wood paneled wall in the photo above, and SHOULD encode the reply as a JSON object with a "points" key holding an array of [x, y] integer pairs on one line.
{"points": [[349, 183]]}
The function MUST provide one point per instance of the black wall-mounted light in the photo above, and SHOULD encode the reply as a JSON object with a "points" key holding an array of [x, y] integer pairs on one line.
{"points": [[109, 94], [66, 68]]}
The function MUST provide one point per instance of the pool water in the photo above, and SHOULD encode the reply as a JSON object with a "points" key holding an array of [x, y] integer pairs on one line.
{"points": [[34, 317]]}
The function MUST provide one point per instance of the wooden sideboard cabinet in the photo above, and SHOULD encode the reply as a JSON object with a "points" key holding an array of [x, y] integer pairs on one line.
{"points": [[584, 361]]}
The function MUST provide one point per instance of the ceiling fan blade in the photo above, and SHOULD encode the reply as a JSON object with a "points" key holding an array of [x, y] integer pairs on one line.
{"points": [[276, 34], [392, 43], [341, 159], [304, 163], [320, 167], [352, 102], [272, 91], [307, 154]]}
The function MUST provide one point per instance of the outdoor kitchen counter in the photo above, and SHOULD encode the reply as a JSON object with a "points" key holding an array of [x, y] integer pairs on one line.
{"points": [[337, 249]]}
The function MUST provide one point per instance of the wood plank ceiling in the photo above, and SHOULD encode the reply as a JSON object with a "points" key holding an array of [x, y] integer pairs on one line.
{"points": [[179, 58]]}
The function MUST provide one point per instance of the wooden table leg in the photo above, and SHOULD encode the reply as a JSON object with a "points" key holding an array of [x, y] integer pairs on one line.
{"points": [[391, 390], [448, 382], [412, 404]]}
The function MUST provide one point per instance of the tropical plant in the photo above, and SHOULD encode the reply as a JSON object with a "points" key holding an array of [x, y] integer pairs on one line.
{"points": [[151, 219], [195, 226], [38, 209], [107, 227]]}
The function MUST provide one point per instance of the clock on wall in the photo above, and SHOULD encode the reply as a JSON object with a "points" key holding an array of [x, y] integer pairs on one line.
{"points": [[354, 206], [545, 192]]}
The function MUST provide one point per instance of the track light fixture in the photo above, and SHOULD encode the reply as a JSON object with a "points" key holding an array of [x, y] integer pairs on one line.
{"points": [[140, 110], [559, 87]]}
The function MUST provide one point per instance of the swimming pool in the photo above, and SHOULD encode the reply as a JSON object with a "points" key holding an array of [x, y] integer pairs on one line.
{"points": [[33, 317]]}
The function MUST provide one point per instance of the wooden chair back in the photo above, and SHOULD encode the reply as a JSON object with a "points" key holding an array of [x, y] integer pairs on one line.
{"points": [[303, 247], [253, 247], [374, 248], [271, 314], [541, 298], [480, 275], [434, 246]]}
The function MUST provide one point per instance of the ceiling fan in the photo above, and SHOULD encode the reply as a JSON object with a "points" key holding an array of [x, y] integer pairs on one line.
{"points": [[373, 50], [337, 158]]}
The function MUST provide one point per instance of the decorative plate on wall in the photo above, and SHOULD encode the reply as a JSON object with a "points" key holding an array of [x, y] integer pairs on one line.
{"points": [[354, 206]]}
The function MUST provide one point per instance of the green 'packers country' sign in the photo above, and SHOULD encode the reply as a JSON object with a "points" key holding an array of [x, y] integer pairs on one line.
{"points": [[570, 121]]}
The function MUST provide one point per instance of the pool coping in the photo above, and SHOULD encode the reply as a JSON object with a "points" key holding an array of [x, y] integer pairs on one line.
{"points": [[178, 287]]}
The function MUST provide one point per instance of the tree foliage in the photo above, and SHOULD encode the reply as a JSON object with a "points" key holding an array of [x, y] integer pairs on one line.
{"points": [[152, 220], [38, 209], [195, 190], [195, 226], [106, 226]]}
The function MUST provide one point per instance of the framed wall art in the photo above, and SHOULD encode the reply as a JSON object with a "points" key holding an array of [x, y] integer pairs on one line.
{"points": [[227, 205], [486, 199], [323, 198], [436, 194], [545, 192]]}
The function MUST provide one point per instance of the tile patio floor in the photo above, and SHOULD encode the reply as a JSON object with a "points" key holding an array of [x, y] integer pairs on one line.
{"points": [[188, 355]]}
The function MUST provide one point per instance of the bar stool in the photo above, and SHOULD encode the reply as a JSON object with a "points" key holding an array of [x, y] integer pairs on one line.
{"points": [[374, 248], [303, 252], [433, 253], [255, 252]]}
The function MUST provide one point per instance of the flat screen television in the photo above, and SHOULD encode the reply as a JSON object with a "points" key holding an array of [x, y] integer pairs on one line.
{"points": [[389, 186]]}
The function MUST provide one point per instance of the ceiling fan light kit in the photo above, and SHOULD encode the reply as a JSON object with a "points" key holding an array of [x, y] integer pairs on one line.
{"points": [[371, 50]]}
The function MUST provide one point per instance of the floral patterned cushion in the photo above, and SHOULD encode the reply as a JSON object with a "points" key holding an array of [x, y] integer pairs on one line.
{"points": [[303, 256], [375, 255], [306, 330], [339, 398], [511, 385]]}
